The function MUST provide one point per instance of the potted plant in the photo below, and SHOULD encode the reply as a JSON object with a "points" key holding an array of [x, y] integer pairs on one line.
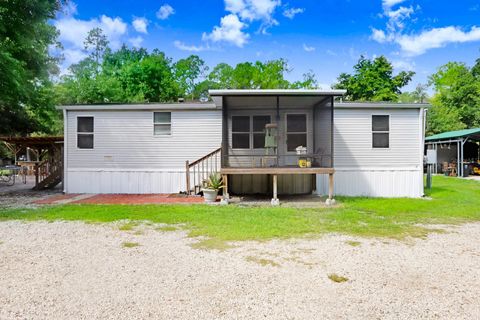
{"points": [[211, 187]]}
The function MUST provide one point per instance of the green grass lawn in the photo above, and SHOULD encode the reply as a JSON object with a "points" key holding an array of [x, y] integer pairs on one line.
{"points": [[453, 201]]}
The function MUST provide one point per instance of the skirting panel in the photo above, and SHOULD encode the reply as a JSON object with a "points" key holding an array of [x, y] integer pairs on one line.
{"points": [[374, 183], [125, 181]]}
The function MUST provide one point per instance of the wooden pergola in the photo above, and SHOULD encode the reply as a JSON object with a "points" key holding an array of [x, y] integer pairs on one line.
{"points": [[48, 167]]}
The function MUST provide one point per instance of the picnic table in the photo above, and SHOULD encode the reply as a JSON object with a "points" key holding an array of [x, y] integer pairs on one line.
{"points": [[9, 173]]}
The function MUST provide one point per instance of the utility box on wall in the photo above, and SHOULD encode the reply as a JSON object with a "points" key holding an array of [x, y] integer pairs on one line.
{"points": [[431, 156]]}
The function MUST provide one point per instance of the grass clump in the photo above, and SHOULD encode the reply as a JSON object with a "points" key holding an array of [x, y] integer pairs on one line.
{"points": [[130, 244], [336, 278], [262, 261], [353, 243], [167, 228], [127, 226], [211, 244]]}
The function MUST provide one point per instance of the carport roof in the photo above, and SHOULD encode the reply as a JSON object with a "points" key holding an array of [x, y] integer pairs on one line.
{"points": [[474, 133]]}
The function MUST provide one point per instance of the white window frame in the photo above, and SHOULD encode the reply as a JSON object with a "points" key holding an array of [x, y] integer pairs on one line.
{"points": [[372, 131], [85, 133], [169, 134]]}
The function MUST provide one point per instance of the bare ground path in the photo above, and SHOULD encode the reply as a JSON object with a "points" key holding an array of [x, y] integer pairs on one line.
{"points": [[72, 270]]}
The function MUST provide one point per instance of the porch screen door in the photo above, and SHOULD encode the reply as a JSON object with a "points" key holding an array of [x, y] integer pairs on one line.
{"points": [[296, 131]]}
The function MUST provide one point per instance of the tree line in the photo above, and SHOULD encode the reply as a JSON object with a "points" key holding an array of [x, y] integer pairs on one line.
{"points": [[30, 87]]}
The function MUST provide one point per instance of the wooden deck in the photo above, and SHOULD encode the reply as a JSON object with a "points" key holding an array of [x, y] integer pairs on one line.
{"points": [[277, 170]]}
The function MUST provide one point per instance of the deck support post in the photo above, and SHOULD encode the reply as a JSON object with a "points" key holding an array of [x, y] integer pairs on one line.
{"points": [[275, 201], [226, 196], [330, 199]]}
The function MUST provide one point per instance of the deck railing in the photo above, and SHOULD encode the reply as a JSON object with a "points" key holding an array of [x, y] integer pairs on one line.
{"points": [[199, 170]]}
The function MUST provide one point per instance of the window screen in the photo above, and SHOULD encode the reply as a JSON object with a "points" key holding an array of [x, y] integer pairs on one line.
{"points": [[162, 123], [259, 123], [296, 131], [241, 132], [380, 131], [85, 132]]}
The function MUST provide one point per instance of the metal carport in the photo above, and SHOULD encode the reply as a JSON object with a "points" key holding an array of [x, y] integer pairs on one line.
{"points": [[458, 138]]}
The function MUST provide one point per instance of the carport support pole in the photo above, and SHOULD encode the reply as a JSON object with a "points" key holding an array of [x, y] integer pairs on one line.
{"points": [[275, 201]]}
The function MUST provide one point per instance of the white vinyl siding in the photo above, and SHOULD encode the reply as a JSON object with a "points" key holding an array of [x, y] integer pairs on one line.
{"points": [[129, 158], [353, 139], [361, 170]]}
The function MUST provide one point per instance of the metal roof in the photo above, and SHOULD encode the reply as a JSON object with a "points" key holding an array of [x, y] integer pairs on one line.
{"points": [[475, 132], [143, 106], [380, 105], [275, 92]]}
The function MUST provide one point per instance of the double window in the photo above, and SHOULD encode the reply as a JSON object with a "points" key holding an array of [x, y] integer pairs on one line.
{"points": [[85, 134], [380, 131], [249, 131], [162, 123]]}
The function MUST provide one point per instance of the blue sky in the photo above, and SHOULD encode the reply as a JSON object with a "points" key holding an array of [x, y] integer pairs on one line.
{"points": [[326, 36]]}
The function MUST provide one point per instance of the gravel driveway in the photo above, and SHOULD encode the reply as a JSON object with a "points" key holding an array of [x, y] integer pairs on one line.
{"points": [[72, 270]]}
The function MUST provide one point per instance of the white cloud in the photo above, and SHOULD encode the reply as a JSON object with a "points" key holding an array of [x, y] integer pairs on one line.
{"points": [[403, 65], [413, 45], [292, 12], [255, 10], [251, 10], [378, 35], [165, 11], [308, 48], [397, 18], [140, 25], [192, 48], [230, 30], [387, 4], [136, 41], [69, 9], [74, 31]]}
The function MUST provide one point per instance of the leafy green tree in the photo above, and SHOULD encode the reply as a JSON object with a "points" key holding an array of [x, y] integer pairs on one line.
{"points": [[26, 65], [221, 76], [419, 95], [373, 80], [309, 82], [96, 42], [187, 71], [456, 103]]}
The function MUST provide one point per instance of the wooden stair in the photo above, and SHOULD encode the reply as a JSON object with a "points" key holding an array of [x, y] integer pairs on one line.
{"points": [[200, 169], [49, 172]]}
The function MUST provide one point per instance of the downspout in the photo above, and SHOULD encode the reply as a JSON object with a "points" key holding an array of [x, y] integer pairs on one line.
{"points": [[65, 150], [423, 124]]}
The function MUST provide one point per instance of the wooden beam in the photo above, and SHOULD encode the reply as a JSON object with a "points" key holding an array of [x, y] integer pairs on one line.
{"points": [[275, 187], [277, 170], [225, 186], [330, 186]]}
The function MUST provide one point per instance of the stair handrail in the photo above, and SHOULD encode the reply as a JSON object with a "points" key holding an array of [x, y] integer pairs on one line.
{"points": [[211, 161]]}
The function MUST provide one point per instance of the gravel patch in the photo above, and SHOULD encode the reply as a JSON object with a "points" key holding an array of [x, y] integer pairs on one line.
{"points": [[72, 270]]}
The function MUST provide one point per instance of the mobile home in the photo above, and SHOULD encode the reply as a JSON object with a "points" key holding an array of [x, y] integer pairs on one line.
{"points": [[261, 141]]}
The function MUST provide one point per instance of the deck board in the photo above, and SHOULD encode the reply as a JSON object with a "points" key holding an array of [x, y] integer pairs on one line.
{"points": [[281, 170]]}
